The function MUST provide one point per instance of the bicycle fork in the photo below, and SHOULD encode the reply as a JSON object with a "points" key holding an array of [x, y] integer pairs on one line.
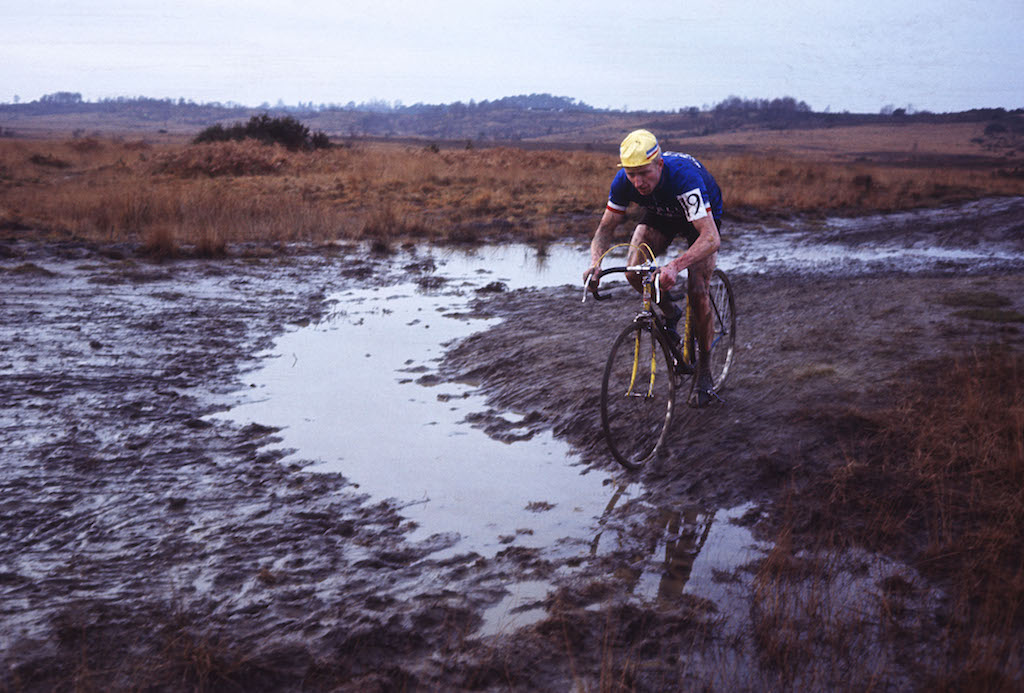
{"points": [[636, 366], [645, 313]]}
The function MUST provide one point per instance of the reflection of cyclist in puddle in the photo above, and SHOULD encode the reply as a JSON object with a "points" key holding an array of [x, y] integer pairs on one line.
{"points": [[685, 532], [680, 198], [684, 538]]}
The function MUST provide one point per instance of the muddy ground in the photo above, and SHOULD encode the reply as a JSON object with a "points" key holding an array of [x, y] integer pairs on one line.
{"points": [[144, 544]]}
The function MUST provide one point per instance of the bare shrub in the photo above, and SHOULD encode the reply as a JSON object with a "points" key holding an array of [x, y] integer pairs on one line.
{"points": [[286, 131]]}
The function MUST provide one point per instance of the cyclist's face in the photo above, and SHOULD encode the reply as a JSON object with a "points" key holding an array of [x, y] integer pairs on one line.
{"points": [[645, 178]]}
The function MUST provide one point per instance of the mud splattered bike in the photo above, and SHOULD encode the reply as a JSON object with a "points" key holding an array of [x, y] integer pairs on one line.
{"points": [[646, 367]]}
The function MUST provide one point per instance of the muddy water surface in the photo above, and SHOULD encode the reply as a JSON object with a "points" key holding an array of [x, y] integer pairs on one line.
{"points": [[355, 395]]}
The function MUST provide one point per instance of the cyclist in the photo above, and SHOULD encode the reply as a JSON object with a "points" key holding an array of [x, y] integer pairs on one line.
{"points": [[679, 198]]}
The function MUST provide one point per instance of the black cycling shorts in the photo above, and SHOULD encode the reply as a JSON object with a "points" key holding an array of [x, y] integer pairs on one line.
{"points": [[673, 227]]}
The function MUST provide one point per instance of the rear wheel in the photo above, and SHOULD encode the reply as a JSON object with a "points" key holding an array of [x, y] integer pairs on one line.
{"points": [[637, 396], [723, 314]]}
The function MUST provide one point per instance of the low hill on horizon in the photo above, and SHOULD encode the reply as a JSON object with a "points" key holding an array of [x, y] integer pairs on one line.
{"points": [[526, 119]]}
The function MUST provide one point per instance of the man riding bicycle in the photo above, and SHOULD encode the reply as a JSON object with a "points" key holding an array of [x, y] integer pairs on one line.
{"points": [[679, 197]]}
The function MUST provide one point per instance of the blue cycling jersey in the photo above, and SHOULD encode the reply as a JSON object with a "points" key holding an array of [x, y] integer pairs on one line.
{"points": [[686, 189]]}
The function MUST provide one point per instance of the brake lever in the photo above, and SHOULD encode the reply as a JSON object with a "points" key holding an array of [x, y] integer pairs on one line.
{"points": [[587, 290]]}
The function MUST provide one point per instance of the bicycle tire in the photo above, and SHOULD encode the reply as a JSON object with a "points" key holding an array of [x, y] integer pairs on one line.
{"points": [[636, 404], [723, 314]]}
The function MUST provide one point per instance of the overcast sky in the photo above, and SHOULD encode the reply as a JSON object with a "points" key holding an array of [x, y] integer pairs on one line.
{"points": [[937, 55]]}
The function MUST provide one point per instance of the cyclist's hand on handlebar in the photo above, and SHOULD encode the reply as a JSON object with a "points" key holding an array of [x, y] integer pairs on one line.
{"points": [[592, 278], [668, 278]]}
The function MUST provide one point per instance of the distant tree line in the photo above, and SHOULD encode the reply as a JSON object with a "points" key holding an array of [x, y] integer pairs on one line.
{"points": [[142, 109], [65, 100], [528, 102], [511, 118]]}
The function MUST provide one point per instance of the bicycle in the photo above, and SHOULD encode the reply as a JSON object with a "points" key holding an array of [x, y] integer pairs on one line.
{"points": [[646, 366]]}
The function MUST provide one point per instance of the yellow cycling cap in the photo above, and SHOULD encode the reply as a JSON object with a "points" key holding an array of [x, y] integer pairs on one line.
{"points": [[638, 149]]}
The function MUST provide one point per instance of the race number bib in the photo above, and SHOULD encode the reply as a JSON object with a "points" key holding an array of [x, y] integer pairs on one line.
{"points": [[693, 204]]}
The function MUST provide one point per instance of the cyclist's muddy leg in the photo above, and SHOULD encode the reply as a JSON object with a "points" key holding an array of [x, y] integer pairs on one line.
{"points": [[697, 281], [638, 253]]}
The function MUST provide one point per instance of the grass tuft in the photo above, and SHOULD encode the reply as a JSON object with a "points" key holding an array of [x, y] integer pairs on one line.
{"points": [[247, 158], [159, 243]]}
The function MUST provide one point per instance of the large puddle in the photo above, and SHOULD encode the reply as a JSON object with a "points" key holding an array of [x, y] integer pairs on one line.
{"points": [[350, 397]]}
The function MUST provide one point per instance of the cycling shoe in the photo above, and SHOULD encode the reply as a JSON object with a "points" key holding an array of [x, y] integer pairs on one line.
{"points": [[672, 317], [705, 390]]}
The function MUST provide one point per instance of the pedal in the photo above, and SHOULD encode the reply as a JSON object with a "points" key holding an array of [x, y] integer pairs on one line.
{"points": [[713, 396]]}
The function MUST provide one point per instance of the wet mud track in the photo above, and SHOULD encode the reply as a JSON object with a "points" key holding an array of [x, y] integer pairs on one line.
{"points": [[144, 543]]}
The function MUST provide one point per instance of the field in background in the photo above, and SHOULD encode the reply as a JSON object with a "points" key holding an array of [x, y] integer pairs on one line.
{"points": [[165, 193], [879, 143]]}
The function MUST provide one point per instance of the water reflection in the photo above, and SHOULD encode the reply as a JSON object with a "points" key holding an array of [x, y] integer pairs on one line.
{"points": [[516, 265], [690, 550], [520, 607], [685, 533]]}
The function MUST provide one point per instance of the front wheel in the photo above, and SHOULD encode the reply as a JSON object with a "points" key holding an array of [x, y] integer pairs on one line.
{"points": [[723, 314], [637, 395]]}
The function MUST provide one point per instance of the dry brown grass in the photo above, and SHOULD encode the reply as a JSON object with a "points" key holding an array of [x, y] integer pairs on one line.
{"points": [[856, 141], [780, 182], [938, 482], [215, 194], [208, 196]]}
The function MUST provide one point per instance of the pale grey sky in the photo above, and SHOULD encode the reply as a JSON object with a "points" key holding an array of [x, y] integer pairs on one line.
{"points": [[938, 55]]}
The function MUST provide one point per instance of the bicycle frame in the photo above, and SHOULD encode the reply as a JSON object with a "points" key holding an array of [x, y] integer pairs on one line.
{"points": [[650, 275]]}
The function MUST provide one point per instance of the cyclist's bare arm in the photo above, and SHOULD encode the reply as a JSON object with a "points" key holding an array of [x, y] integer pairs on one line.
{"points": [[704, 247], [603, 239]]}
